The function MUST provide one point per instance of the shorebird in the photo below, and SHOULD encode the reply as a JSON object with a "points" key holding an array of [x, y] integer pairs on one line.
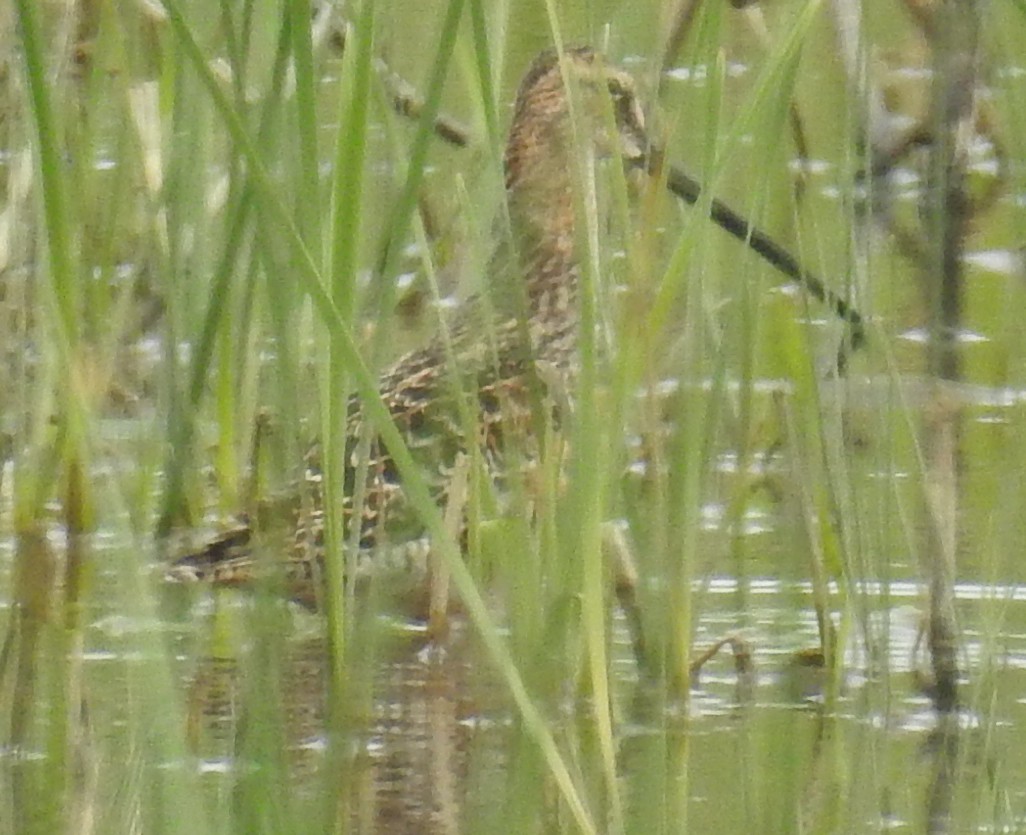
{"points": [[482, 386]]}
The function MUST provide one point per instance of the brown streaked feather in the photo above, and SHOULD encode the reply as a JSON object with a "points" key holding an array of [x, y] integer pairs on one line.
{"points": [[499, 367]]}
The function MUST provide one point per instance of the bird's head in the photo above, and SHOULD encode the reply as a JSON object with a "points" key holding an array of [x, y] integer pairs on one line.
{"points": [[602, 110]]}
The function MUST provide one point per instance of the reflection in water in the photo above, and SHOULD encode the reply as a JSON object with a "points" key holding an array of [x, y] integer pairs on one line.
{"points": [[942, 744], [411, 769], [419, 741], [434, 749]]}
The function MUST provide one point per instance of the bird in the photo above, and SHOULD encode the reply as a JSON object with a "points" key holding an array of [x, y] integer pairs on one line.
{"points": [[501, 359]]}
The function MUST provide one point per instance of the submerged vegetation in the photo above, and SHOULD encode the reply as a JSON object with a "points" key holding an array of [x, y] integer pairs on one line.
{"points": [[222, 221]]}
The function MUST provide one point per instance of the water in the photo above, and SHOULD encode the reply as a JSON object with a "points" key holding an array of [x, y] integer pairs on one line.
{"points": [[437, 742], [228, 702]]}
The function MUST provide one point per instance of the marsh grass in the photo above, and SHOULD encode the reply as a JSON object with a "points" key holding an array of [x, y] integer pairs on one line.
{"points": [[231, 187], [239, 232]]}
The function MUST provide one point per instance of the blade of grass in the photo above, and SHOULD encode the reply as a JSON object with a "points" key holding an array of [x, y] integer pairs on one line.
{"points": [[347, 208], [63, 294]]}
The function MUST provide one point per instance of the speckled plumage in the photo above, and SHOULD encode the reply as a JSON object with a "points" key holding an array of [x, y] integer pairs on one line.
{"points": [[500, 366]]}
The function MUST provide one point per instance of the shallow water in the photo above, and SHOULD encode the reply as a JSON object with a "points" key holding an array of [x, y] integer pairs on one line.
{"points": [[437, 743], [236, 696], [430, 740]]}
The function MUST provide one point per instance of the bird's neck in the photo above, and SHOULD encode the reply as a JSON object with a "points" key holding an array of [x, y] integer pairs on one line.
{"points": [[540, 196]]}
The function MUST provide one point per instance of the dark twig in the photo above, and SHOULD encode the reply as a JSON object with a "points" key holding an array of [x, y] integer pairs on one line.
{"points": [[406, 102], [690, 191]]}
